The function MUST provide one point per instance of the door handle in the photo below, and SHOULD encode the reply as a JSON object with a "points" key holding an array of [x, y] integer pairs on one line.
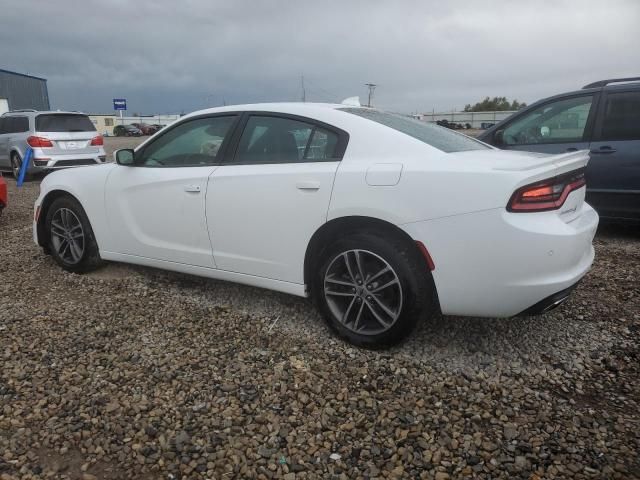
{"points": [[192, 188], [308, 185], [604, 150], [572, 149]]}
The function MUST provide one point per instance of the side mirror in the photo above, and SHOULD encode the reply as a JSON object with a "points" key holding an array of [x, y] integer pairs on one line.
{"points": [[124, 156], [498, 137]]}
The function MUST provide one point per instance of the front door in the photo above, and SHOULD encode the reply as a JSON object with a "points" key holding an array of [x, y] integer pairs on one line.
{"points": [[613, 175], [156, 208], [267, 202]]}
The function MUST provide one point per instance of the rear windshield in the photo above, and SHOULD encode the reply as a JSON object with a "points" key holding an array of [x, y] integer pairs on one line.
{"points": [[434, 135], [63, 122]]}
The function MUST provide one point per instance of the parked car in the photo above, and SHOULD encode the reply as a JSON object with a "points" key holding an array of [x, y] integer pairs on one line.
{"points": [[380, 218], [4, 196], [145, 128], [604, 118], [126, 131], [58, 139]]}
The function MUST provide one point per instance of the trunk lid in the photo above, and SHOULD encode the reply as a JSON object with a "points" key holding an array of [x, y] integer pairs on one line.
{"points": [[70, 133], [518, 161], [525, 168]]}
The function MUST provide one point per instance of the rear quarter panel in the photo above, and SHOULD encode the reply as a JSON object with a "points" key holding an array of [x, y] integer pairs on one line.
{"points": [[432, 183]]}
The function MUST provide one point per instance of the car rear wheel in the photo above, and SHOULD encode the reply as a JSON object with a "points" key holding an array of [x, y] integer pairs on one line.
{"points": [[16, 165], [372, 289], [71, 240]]}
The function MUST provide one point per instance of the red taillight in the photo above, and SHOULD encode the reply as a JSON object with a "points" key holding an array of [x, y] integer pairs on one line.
{"points": [[546, 195], [39, 142], [97, 141]]}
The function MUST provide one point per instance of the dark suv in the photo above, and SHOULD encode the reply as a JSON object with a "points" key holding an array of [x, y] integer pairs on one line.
{"points": [[603, 117]]}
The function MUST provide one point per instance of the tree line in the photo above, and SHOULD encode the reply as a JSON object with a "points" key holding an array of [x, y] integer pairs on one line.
{"points": [[494, 104]]}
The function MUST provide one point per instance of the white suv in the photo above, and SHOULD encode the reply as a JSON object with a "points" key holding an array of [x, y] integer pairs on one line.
{"points": [[58, 140]]}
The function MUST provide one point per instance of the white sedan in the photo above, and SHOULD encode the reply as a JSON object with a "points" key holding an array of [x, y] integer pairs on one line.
{"points": [[381, 219]]}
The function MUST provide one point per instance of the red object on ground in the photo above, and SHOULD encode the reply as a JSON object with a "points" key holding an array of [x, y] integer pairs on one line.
{"points": [[3, 193]]}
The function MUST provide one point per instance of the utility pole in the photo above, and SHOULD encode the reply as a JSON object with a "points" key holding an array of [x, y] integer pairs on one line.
{"points": [[304, 92], [372, 87]]}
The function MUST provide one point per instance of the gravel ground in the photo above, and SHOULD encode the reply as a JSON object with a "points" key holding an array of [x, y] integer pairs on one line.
{"points": [[136, 373]]}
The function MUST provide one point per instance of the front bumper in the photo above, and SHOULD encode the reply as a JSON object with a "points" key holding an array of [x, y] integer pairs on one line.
{"points": [[499, 264]]}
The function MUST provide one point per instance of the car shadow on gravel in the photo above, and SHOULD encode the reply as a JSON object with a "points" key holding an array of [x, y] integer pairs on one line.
{"points": [[457, 342]]}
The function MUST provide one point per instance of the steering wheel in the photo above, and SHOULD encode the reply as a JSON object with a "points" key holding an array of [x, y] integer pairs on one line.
{"points": [[529, 135]]}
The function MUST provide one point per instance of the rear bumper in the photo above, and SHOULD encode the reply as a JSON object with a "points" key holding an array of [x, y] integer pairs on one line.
{"points": [[550, 303], [499, 264], [44, 160]]}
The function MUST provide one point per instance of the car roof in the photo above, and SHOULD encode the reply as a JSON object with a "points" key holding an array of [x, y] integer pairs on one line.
{"points": [[293, 108], [32, 113], [603, 85]]}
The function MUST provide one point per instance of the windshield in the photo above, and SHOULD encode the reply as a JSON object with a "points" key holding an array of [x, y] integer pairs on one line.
{"points": [[58, 122], [434, 135]]}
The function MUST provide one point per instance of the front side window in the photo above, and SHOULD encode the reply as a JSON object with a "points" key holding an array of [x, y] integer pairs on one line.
{"points": [[438, 137], [561, 121], [64, 122], [269, 139], [192, 143], [621, 120]]}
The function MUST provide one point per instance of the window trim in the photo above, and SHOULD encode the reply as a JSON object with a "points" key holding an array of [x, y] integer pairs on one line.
{"points": [[597, 131], [232, 152], [588, 127], [137, 159]]}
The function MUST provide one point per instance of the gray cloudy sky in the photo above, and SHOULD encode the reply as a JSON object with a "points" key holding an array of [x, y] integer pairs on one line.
{"points": [[169, 56]]}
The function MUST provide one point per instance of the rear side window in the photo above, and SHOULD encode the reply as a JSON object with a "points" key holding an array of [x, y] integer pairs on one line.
{"points": [[14, 125], [434, 135], [268, 139], [621, 119], [63, 122]]}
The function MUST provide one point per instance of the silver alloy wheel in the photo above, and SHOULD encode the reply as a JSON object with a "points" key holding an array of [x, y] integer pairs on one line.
{"points": [[67, 235], [15, 166], [363, 292]]}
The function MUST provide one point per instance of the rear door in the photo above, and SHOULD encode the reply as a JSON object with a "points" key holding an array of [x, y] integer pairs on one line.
{"points": [[15, 128], [613, 175], [264, 205], [4, 152], [70, 133], [558, 126]]}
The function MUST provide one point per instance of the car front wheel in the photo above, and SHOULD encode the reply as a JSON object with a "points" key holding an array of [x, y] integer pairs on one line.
{"points": [[71, 240], [373, 288]]}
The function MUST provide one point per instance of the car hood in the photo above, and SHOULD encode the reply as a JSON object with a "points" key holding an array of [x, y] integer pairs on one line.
{"points": [[69, 177]]}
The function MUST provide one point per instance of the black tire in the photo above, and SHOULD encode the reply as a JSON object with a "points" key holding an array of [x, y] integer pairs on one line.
{"points": [[88, 256], [417, 295], [16, 164]]}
